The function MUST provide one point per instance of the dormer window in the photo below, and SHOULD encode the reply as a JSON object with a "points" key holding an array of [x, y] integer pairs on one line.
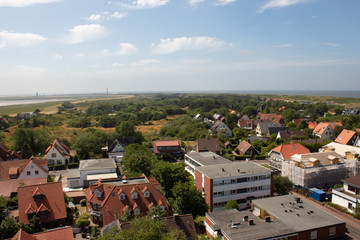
{"points": [[122, 196], [146, 194], [134, 195], [97, 193], [38, 197], [137, 211], [162, 207]]}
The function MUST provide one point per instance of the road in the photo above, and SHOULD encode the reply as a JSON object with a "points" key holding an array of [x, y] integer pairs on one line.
{"points": [[352, 224]]}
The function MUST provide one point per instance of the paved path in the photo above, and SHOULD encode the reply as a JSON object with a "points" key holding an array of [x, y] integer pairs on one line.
{"points": [[352, 224]]}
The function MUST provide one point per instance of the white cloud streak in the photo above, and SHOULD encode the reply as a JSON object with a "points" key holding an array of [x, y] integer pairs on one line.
{"points": [[107, 16], [281, 4], [283, 45], [8, 39], [332, 44], [224, 2], [140, 4], [24, 3], [171, 45], [57, 57], [126, 49], [84, 33], [193, 3]]}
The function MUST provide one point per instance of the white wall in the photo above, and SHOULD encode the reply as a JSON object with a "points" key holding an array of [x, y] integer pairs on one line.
{"points": [[32, 168], [57, 158]]}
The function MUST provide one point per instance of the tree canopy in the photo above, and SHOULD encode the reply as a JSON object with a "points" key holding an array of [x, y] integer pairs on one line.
{"points": [[282, 185], [138, 160]]}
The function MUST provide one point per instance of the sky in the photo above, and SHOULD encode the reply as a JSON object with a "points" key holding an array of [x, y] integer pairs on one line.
{"points": [[87, 46]]}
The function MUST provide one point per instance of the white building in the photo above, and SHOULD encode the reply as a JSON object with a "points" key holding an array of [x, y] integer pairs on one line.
{"points": [[239, 181], [198, 159], [57, 153], [349, 195], [90, 171]]}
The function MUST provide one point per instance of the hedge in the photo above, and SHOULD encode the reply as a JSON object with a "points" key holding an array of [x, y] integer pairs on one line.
{"points": [[73, 165], [56, 167]]}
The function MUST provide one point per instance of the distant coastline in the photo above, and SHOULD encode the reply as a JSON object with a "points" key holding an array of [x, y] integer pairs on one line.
{"points": [[28, 101]]}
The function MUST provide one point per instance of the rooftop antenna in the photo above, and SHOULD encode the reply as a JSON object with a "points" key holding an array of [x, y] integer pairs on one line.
{"points": [[107, 91]]}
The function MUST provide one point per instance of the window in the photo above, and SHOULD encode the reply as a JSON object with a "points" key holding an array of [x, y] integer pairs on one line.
{"points": [[58, 162], [28, 173], [137, 211], [239, 180], [332, 231], [134, 195], [113, 194], [36, 172], [350, 206], [53, 155], [122, 196], [97, 193], [146, 194], [313, 235]]}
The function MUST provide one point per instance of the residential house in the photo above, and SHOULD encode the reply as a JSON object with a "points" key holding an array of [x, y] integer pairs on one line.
{"points": [[46, 201], [281, 217], [346, 151], [248, 124], [297, 121], [65, 233], [273, 117], [284, 152], [221, 127], [312, 125], [320, 170], [228, 145], [245, 148], [90, 171], [288, 134], [351, 111], [239, 181], [194, 159], [244, 117], [57, 153], [267, 128], [251, 139], [208, 145], [8, 155], [348, 137], [107, 198], [324, 130], [349, 195], [172, 147], [23, 169], [116, 149], [184, 223], [9, 188]]}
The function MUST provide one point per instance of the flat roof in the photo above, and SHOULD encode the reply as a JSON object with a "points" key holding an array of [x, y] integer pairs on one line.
{"points": [[73, 173], [95, 164], [242, 230], [207, 158], [232, 169], [300, 216], [101, 176]]}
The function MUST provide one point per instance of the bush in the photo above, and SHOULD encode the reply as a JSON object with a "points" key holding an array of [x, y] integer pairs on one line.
{"points": [[260, 157], [56, 167], [73, 165], [243, 157]]}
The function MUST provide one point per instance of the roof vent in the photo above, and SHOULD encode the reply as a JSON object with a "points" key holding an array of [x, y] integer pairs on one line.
{"points": [[245, 218], [251, 222], [267, 219], [238, 170], [223, 169], [124, 181]]}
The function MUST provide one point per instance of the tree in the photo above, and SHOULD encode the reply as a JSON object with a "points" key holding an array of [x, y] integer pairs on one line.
{"points": [[232, 204], [8, 228], [290, 114], [34, 141], [282, 185], [337, 130], [127, 129], [187, 199], [137, 160], [83, 220], [168, 175], [95, 232], [3, 206], [250, 111], [34, 226], [144, 228], [231, 120], [291, 125]]}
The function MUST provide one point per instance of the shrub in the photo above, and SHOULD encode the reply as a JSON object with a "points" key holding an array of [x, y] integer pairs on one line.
{"points": [[73, 165], [83, 202], [56, 167]]}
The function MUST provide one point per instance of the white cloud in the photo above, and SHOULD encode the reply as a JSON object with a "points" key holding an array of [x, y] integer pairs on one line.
{"points": [[84, 33], [171, 45], [24, 3], [57, 57], [8, 39], [244, 52], [281, 4], [332, 44], [126, 49], [107, 16], [105, 52], [138, 4], [224, 2], [195, 2], [79, 55], [283, 45], [116, 64], [144, 62]]}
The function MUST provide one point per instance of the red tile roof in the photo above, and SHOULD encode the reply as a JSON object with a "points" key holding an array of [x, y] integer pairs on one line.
{"points": [[111, 204], [345, 136], [270, 116], [7, 154], [169, 143], [243, 147], [10, 186], [321, 127], [287, 150], [11, 166], [311, 125], [65, 233], [207, 144], [53, 200], [298, 121], [60, 147]]}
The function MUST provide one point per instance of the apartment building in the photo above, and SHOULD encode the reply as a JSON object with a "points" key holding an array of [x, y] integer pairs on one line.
{"points": [[198, 159]]}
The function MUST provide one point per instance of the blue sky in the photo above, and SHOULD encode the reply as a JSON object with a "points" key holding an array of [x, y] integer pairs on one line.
{"points": [[85, 46]]}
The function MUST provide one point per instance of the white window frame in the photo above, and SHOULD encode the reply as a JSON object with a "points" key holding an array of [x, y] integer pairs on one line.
{"points": [[137, 211], [134, 195], [313, 235], [332, 231], [122, 196], [146, 194]]}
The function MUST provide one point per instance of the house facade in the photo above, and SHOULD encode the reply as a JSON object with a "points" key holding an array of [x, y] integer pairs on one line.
{"points": [[349, 195], [116, 149], [219, 126], [245, 148], [239, 181], [46, 201], [284, 152], [172, 147], [348, 137], [8, 155], [23, 169], [208, 145], [107, 198], [324, 130], [57, 153]]}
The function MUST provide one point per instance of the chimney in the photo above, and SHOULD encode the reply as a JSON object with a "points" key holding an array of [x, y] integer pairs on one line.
{"points": [[245, 218], [251, 222], [238, 170], [267, 219], [223, 169]]}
